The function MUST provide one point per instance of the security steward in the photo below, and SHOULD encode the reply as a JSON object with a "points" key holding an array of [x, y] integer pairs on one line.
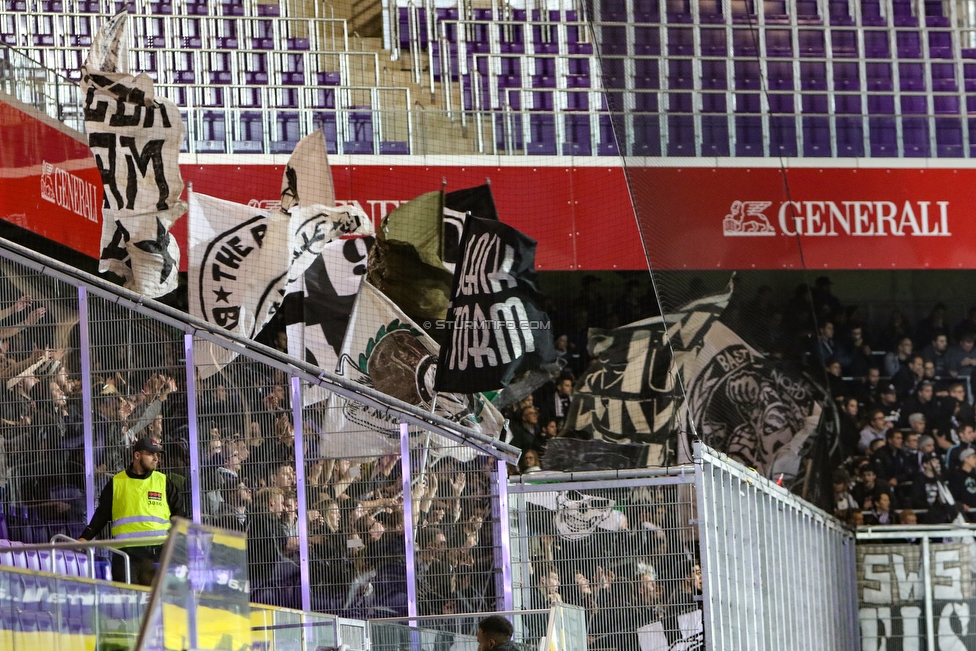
{"points": [[139, 502]]}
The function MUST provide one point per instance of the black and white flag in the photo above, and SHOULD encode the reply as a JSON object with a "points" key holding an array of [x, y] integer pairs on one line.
{"points": [[496, 327], [666, 381], [476, 201], [243, 261], [135, 137]]}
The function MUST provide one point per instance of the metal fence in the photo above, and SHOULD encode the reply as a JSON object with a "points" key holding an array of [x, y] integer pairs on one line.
{"points": [[915, 587], [88, 368], [709, 555]]}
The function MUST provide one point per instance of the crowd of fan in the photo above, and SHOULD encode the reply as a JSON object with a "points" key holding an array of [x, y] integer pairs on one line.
{"points": [[903, 395]]}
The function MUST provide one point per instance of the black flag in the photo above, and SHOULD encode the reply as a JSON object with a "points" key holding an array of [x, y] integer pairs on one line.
{"points": [[496, 326], [459, 204]]}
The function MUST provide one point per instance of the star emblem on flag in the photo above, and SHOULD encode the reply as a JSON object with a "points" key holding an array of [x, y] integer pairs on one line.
{"points": [[160, 247]]}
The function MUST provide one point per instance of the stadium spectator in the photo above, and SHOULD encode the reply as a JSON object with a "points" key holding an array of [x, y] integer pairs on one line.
{"points": [[844, 502], [868, 389], [850, 434], [495, 632], [889, 405], [966, 435], [553, 400], [867, 488], [855, 353], [966, 327], [909, 378], [894, 334], [921, 402], [525, 430], [898, 358], [880, 512], [931, 326], [824, 347], [825, 303], [936, 352], [874, 430], [931, 493], [961, 358], [962, 483]]}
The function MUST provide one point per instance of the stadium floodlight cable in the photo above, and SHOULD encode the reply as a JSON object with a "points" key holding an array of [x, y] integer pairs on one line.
{"points": [[340, 386]]}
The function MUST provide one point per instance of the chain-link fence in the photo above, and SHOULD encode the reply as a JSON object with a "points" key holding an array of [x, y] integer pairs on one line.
{"points": [[707, 555], [309, 465], [915, 587]]}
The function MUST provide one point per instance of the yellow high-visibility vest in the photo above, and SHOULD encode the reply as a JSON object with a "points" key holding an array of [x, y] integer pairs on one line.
{"points": [[139, 507]]}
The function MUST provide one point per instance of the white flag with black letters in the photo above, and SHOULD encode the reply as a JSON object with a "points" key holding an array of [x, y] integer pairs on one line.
{"points": [[135, 136], [244, 260]]}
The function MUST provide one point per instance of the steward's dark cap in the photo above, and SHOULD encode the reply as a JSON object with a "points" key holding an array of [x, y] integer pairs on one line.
{"points": [[146, 444]]}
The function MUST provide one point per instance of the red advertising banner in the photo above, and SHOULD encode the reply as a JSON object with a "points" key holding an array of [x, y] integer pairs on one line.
{"points": [[581, 217], [742, 218], [49, 184]]}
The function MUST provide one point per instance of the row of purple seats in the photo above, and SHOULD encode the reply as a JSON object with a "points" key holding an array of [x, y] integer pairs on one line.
{"points": [[58, 561], [577, 137], [212, 135], [848, 136], [774, 11], [781, 77], [811, 43]]}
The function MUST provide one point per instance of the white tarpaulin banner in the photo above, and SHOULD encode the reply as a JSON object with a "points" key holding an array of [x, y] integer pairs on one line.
{"points": [[135, 137]]}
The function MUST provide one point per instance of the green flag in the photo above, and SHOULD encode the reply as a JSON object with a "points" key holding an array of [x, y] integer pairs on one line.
{"points": [[406, 262]]}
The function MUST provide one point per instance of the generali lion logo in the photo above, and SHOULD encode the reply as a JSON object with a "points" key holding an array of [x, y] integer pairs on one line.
{"points": [[748, 219]]}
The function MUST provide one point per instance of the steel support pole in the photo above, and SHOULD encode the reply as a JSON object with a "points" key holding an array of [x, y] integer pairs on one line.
{"points": [[296, 410]]}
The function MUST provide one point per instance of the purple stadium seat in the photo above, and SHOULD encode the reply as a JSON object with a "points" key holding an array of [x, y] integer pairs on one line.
{"points": [[747, 75], [713, 75], [814, 104], [903, 15], [779, 43], [646, 11], [876, 45], [884, 136], [680, 103], [806, 12], [940, 44], [846, 76], [816, 136], [779, 75], [608, 141], [747, 103], [811, 43], [913, 105], [611, 11], [647, 41], [715, 135], [712, 103], [542, 135], [844, 43], [840, 13], [389, 147], [847, 104], [748, 135], [710, 11], [681, 73], [678, 11], [813, 75], [948, 137], [849, 137], [782, 135], [647, 135], [915, 135], [911, 76], [745, 42], [944, 77], [578, 141], [881, 105], [681, 41], [713, 42], [909, 44], [781, 103], [681, 135], [878, 76]]}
